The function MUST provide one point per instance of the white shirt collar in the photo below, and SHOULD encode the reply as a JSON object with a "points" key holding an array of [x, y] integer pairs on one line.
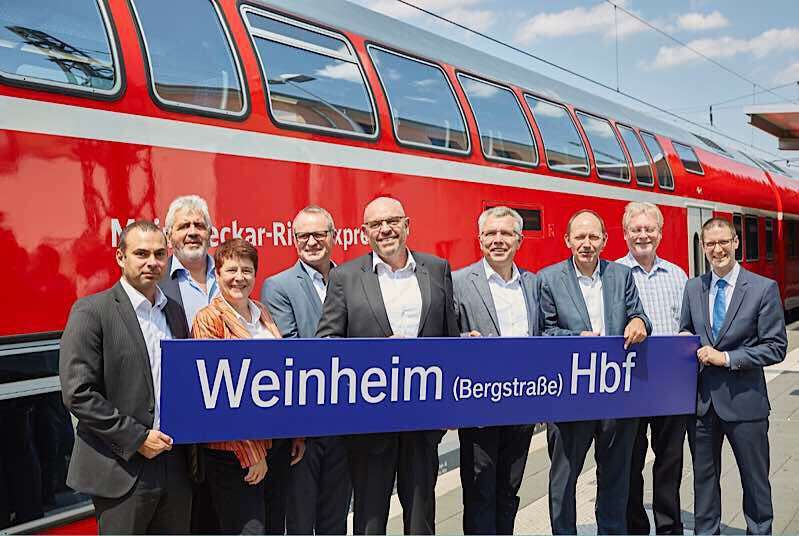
{"points": [[410, 264], [137, 298], [177, 265], [594, 276], [490, 272], [255, 313], [731, 278]]}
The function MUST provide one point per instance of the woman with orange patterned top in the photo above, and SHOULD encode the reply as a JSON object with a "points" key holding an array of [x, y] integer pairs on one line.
{"points": [[235, 469]]}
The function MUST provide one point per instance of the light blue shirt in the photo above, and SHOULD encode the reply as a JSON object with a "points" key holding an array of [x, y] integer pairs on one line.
{"points": [[193, 296], [661, 291]]}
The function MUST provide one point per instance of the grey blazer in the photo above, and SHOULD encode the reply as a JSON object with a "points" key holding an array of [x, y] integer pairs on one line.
{"points": [[475, 305], [293, 302], [753, 334], [563, 307], [107, 384]]}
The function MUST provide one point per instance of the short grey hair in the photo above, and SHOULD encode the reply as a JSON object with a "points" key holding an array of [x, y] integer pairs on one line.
{"points": [[501, 212], [635, 208], [316, 209], [193, 203]]}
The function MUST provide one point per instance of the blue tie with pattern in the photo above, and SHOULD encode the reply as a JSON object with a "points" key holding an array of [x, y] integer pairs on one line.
{"points": [[719, 307]]}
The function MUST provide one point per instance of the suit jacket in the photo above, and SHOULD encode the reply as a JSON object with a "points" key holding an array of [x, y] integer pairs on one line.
{"points": [[563, 307], [753, 334], [293, 302], [169, 283], [474, 303], [107, 384]]}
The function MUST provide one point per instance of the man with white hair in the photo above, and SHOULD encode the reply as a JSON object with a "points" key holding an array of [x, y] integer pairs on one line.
{"points": [[660, 286]]}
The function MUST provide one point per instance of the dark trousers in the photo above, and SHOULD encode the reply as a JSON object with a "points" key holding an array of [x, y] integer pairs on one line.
{"points": [[158, 503], [491, 466], [319, 489], [276, 486], [668, 437], [568, 444], [375, 462], [749, 442], [239, 506]]}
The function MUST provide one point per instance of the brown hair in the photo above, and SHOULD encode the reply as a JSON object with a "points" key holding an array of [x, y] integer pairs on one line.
{"points": [[144, 226], [718, 222], [235, 248]]}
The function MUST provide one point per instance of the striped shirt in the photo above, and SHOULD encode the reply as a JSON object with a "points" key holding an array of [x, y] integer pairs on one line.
{"points": [[660, 291]]}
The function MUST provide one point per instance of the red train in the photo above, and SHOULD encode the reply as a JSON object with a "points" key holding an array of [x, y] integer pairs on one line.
{"points": [[110, 109]]}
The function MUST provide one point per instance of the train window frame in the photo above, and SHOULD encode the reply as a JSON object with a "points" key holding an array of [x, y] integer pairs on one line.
{"points": [[558, 169], [770, 237], [194, 109], [352, 57], [643, 135], [370, 46], [739, 230], [579, 113], [620, 127], [533, 164], [53, 86], [677, 146], [749, 218]]}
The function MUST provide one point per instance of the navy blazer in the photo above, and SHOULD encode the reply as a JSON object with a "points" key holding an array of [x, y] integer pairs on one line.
{"points": [[753, 334]]}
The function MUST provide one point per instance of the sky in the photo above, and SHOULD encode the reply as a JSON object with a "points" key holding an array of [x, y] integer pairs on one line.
{"points": [[755, 46]]}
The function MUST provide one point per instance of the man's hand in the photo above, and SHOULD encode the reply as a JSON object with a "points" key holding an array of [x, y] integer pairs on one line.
{"points": [[708, 355], [474, 333], [256, 472], [634, 332], [297, 449], [155, 443], [589, 334]]}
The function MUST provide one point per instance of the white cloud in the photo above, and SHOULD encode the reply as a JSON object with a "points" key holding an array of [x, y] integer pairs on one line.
{"points": [[697, 22], [466, 12], [341, 71], [727, 47], [788, 75], [479, 89]]}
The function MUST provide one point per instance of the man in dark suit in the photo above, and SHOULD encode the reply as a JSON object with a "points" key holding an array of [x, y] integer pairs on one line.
{"points": [[319, 488], [739, 319], [589, 296], [494, 298], [110, 367], [401, 293]]}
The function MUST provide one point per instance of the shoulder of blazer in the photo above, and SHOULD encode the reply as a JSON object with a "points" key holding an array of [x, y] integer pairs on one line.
{"points": [[429, 261], [355, 266], [286, 276], [554, 270], [466, 271]]}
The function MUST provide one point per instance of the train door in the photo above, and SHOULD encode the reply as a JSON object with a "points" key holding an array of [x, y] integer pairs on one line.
{"points": [[698, 264]]}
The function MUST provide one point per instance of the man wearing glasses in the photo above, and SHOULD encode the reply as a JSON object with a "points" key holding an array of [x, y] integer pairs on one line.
{"points": [[319, 490], [391, 292], [738, 316]]}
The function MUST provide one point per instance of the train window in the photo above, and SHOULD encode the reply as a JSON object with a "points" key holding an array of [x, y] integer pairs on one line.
{"points": [[531, 217], [737, 223], [313, 78], [505, 134], [611, 162], [424, 109], [688, 158], [791, 239], [752, 242], [67, 45], [643, 171], [769, 225], [562, 143], [192, 64], [665, 178]]}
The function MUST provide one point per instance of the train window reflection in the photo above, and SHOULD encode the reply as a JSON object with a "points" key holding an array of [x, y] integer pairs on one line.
{"points": [[313, 80], [504, 132], [752, 242], [643, 173], [61, 44], [688, 158], [562, 143], [424, 110], [611, 162], [192, 64], [665, 178]]}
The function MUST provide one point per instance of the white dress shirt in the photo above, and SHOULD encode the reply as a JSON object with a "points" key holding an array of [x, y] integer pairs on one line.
{"points": [[401, 295], [591, 288], [318, 281], [154, 328], [509, 303], [253, 324]]}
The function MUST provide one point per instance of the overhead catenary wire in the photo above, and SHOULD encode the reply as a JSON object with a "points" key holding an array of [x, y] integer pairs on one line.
{"points": [[720, 104]]}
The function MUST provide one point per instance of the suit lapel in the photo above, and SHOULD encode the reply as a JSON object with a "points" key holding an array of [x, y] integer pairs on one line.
{"points": [[528, 291], [484, 291], [735, 303], [176, 322], [705, 303], [423, 278], [374, 297], [307, 285], [131, 323], [569, 278]]}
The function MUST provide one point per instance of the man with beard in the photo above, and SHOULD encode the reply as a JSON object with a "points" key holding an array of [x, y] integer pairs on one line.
{"points": [[573, 302], [660, 285], [391, 292], [493, 298]]}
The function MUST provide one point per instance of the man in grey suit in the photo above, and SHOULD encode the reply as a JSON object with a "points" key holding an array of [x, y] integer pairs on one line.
{"points": [[738, 316], [588, 296], [392, 291], [319, 488], [494, 298], [110, 367]]}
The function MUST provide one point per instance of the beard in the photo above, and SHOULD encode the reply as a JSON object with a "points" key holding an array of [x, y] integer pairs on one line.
{"points": [[191, 255]]}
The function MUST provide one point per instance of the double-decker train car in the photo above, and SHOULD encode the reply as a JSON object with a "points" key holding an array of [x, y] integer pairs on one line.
{"points": [[109, 109]]}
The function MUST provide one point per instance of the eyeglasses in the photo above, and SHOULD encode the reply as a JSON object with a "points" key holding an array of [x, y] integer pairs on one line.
{"points": [[394, 223], [302, 238], [723, 243]]}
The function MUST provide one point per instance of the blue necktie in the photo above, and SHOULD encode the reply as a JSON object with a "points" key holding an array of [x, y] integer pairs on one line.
{"points": [[719, 307]]}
